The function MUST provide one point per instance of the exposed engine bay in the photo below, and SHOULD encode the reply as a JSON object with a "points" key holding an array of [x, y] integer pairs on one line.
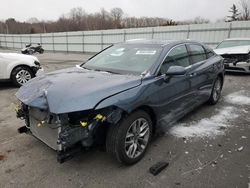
{"points": [[236, 58], [68, 133]]}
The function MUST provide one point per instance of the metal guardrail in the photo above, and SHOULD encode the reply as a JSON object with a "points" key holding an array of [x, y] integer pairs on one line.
{"points": [[93, 41]]}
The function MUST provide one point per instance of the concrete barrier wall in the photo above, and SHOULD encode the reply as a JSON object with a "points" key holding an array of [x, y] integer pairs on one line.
{"points": [[94, 41]]}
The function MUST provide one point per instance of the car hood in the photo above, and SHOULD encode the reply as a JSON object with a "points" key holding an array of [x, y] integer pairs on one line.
{"points": [[233, 50], [73, 89], [18, 57]]}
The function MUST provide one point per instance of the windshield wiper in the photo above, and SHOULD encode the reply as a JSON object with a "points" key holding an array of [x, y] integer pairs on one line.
{"points": [[105, 71]]}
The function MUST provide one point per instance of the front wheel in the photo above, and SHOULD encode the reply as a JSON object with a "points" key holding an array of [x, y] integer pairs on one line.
{"points": [[216, 91], [129, 139], [21, 75]]}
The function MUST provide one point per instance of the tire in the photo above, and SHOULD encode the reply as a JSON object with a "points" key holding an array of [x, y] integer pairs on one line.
{"points": [[21, 75], [216, 91], [123, 140], [30, 52], [41, 51], [24, 52]]}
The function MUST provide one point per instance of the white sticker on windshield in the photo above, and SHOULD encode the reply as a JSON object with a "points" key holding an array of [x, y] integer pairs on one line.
{"points": [[120, 49], [146, 52], [117, 54]]}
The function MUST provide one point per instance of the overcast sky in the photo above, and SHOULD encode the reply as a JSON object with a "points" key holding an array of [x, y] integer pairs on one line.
{"points": [[174, 9]]}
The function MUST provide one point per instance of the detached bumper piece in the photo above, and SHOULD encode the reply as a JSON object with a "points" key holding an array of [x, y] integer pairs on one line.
{"points": [[158, 167], [23, 129], [63, 156]]}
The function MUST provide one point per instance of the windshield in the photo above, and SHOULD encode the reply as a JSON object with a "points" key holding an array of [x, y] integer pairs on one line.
{"points": [[233, 43], [125, 59]]}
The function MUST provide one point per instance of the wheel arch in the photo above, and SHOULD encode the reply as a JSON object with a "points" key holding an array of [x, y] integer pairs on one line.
{"points": [[150, 112], [221, 76], [21, 65]]}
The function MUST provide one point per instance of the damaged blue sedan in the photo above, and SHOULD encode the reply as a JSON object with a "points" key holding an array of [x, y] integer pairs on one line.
{"points": [[120, 97]]}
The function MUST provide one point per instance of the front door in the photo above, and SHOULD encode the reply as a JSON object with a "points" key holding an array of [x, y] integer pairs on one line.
{"points": [[174, 92]]}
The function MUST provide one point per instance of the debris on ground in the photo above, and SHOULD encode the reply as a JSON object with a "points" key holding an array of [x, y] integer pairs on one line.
{"points": [[244, 137], [186, 152], [158, 167], [214, 163], [184, 140], [202, 166], [240, 148], [2, 157]]}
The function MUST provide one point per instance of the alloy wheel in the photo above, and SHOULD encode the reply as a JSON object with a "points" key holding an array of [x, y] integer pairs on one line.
{"points": [[23, 76], [137, 138], [217, 89]]}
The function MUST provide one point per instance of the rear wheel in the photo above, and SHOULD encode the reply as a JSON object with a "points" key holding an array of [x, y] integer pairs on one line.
{"points": [[216, 91], [128, 140], [21, 75]]}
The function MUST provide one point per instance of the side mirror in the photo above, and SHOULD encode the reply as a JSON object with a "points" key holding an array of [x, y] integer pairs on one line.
{"points": [[176, 70]]}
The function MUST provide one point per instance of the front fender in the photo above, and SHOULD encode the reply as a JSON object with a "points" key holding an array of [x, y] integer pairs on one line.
{"points": [[14, 64], [128, 100]]}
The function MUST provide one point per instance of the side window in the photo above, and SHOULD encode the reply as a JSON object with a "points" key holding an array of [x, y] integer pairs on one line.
{"points": [[197, 53], [178, 56]]}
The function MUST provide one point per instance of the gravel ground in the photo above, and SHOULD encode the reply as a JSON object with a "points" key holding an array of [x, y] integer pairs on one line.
{"points": [[197, 159]]}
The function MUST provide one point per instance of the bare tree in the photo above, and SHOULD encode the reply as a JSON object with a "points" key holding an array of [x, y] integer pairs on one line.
{"points": [[245, 9], [32, 20], [116, 14], [78, 20], [200, 20]]}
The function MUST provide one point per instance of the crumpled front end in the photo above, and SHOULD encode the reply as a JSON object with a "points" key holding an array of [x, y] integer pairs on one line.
{"points": [[60, 108], [237, 62], [67, 133]]}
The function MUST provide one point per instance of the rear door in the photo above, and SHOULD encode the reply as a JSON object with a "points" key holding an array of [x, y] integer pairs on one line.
{"points": [[201, 72]]}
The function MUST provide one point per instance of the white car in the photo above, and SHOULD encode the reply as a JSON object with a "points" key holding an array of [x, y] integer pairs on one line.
{"points": [[18, 68], [236, 54]]}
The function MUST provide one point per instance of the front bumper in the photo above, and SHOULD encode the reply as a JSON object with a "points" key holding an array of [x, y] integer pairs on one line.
{"points": [[241, 67], [40, 72], [70, 132], [61, 133]]}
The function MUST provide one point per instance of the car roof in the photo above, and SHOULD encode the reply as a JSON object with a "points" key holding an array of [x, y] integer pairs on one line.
{"points": [[237, 39], [159, 42]]}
